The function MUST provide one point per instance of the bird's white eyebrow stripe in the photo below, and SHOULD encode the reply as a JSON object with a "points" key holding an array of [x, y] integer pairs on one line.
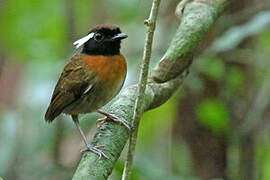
{"points": [[83, 40]]}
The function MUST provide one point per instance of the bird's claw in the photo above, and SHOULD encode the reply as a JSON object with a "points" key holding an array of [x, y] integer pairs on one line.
{"points": [[115, 119], [101, 121], [96, 150], [125, 123]]}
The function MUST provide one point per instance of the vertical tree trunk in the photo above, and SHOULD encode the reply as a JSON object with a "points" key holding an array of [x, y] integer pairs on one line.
{"points": [[208, 151], [247, 157], [2, 60]]}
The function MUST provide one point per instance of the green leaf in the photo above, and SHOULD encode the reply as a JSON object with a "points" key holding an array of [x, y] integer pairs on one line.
{"points": [[235, 80], [213, 114], [213, 67]]}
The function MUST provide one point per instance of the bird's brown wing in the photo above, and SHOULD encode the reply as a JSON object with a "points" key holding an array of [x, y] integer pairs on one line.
{"points": [[69, 88]]}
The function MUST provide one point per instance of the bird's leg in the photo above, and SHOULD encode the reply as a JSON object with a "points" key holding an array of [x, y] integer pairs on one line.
{"points": [[113, 118], [89, 147]]}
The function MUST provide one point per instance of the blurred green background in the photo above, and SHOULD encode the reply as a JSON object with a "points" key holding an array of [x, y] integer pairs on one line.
{"points": [[215, 126]]}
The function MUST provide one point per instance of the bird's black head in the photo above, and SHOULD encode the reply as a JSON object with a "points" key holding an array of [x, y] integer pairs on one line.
{"points": [[102, 40]]}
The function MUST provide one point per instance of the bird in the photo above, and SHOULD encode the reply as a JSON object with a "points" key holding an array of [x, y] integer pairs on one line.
{"points": [[91, 79]]}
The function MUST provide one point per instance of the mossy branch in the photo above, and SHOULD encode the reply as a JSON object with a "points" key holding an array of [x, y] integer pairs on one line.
{"points": [[197, 18]]}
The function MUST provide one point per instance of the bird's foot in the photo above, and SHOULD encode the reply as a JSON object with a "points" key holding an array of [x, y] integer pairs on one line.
{"points": [[112, 118], [96, 150], [101, 121]]}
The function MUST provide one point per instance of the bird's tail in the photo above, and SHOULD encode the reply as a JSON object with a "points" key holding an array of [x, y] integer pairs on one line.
{"points": [[51, 114]]}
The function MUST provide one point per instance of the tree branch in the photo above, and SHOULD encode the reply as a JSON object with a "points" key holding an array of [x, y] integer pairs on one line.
{"points": [[197, 18], [151, 23]]}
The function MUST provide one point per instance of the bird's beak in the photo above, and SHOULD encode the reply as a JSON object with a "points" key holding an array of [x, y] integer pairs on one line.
{"points": [[119, 36]]}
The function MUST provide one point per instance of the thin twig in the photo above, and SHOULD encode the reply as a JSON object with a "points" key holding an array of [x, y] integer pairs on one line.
{"points": [[254, 115], [151, 23], [180, 8]]}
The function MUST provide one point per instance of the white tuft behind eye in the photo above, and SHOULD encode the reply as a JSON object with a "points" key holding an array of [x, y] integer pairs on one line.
{"points": [[83, 40]]}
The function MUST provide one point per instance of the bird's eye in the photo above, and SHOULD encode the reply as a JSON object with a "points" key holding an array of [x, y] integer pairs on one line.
{"points": [[98, 37]]}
